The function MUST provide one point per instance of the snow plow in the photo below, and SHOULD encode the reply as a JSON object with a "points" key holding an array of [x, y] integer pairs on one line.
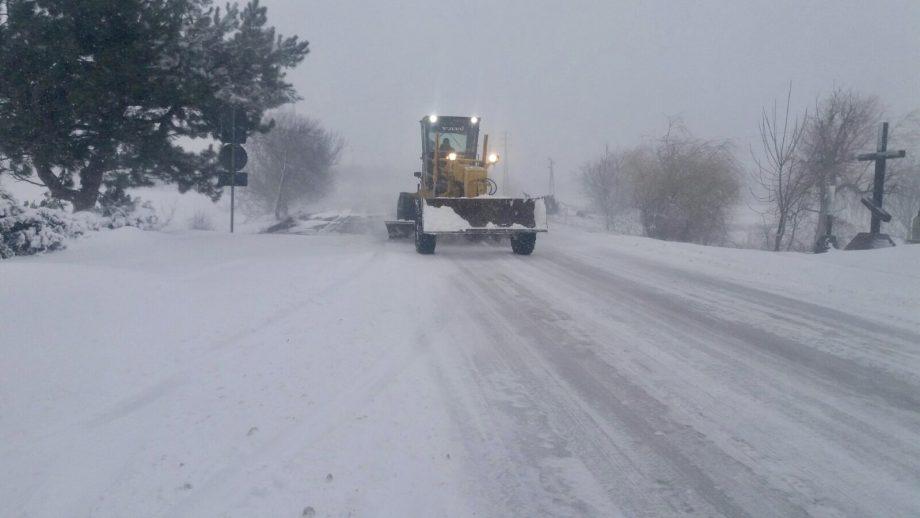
{"points": [[455, 194]]}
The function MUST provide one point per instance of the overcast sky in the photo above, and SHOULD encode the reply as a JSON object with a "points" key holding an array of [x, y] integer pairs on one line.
{"points": [[564, 78]]}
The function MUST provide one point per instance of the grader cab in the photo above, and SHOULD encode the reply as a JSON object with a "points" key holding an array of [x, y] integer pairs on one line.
{"points": [[456, 195]]}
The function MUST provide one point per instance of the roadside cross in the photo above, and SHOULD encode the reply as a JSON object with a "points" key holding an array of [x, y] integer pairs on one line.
{"points": [[875, 239]]}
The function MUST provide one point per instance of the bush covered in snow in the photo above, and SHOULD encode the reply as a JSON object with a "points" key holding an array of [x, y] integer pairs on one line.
{"points": [[129, 212], [27, 230], [200, 220], [35, 228]]}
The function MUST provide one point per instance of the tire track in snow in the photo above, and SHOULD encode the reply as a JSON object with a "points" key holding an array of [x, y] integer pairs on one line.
{"points": [[510, 427], [829, 316], [674, 454], [858, 378], [870, 431], [898, 343]]}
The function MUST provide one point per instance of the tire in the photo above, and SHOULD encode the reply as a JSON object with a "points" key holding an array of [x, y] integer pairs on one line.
{"points": [[405, 206], [424, 243], [523, 244]]}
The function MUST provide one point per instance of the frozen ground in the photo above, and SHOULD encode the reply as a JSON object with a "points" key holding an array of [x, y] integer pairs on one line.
{"points": [[203, 374]]}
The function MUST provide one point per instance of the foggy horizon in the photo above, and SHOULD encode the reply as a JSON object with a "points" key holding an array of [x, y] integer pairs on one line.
{"points": [[565, 79]]}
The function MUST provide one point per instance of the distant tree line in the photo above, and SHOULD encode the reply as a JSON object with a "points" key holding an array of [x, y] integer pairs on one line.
{"points": [[679, 187], [682, 188]]}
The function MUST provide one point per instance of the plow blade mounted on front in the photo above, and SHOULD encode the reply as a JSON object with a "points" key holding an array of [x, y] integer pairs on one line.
{"points": [[483, 215], [400, 228]]}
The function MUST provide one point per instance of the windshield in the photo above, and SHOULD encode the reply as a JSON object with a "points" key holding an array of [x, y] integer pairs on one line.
{"points": [[453, 134], [450, 142]]}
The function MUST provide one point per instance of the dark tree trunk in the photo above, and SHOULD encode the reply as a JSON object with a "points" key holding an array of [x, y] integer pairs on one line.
{"points": [[281, 210], [824, 207], [83, 198], [90, 182], [281, 203], [780, 231]]}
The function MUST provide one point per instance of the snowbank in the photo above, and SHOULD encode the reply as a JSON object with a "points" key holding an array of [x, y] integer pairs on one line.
{"points": [[882, 283]]}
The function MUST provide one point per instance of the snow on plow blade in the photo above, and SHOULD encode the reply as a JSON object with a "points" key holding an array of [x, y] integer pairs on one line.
{"points": [[483, 215]]}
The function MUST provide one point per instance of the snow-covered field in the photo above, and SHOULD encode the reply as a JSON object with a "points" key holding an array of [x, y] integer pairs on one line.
{"points": [[207, 374]]}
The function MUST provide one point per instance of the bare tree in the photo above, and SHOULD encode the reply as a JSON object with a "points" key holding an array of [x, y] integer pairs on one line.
{"points": [[780, 173], [902, 184], [842, 125], [685, 188], [904, 201], [603, 182], [292, 162]]}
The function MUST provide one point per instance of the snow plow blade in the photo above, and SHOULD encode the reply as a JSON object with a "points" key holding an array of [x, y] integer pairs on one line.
{"points": [[400, 228], [483, 215]]}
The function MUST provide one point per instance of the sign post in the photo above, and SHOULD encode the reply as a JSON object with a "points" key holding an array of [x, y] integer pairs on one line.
{"points": [[232, 157], [232, 168], [874, 238]]}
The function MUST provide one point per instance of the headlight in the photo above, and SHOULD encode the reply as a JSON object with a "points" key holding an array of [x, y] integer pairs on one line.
{"points": [[474, 120], [432, 118], [452, 156], [493, 158]]}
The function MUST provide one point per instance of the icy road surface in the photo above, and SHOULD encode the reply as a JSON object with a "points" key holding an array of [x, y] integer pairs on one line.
{"points": [[149, 374]]}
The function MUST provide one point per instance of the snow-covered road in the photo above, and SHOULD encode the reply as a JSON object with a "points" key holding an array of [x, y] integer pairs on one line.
{"points": [[149, 374]]}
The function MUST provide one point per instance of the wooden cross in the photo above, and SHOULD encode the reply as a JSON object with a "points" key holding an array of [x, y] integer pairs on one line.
{"points": [[879, 157]]}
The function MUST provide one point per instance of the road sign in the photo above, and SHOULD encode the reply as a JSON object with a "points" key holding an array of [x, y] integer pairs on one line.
{"points": [[232, 156], [234, 126], [226, 180]]}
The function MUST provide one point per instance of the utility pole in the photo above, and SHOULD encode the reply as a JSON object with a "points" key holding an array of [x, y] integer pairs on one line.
{"points": [[506, 189], [552, 206]]}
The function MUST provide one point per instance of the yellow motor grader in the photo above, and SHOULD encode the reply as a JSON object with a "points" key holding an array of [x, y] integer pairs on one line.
{"points": [[455, 194]]}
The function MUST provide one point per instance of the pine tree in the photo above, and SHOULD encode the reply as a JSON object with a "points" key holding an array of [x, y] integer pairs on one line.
{"points": [[96, 93]]}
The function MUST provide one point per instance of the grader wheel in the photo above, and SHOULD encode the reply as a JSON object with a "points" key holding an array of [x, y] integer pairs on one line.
{"points": [[523, 243], [424, 243]]}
